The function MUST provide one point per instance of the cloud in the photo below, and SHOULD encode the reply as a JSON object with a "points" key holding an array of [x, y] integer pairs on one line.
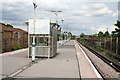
{"points": [[101, 29], [98, 10], [78, 16], [103, 11], [115, 14], [62, 0], [104, 28], [15, 13], [99, 5], [93, 10]]}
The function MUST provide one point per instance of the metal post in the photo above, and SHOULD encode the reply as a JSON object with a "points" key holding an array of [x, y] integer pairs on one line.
{"points": [[116, 44], [105, 43], [18, 39], [55, 12], [111, 43], [60, 37], [49, 40], [67, 36], [33, 43], [28, 40], [62, 32], [100, 41], [27, 23], [33, 49]]}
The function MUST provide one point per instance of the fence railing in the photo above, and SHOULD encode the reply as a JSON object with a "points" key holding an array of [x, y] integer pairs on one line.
{"points": [[110, 44]]}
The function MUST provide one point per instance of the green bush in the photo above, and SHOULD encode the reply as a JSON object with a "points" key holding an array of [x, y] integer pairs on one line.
{"points": [[110, 55], [99, 49], [16, 47]]}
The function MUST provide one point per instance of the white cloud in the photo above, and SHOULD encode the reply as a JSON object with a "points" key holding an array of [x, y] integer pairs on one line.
{"points": [[100, 10], [99, 5], [79, 16], [93, 10], [79, 12], [103, 11], [62, 0], [83, 26], [84, 7], [101, 29], [112, 28], [115, 14], [104, 28]]}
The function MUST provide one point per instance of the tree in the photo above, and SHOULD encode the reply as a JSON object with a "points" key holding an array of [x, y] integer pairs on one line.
{"points": [[100, 34], [113, 34], [117, 30], [82, 35], [73, 37], [95, 35], [70, 35], [2, 23], [107, 35], [7, 25]]}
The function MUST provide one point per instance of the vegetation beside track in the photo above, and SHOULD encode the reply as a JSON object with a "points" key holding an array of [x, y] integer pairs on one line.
{"points": [[110, 55]]}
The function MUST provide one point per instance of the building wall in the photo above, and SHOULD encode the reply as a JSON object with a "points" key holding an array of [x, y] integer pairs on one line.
{"points": [[6, 41], [23, 39], [11, 40], [0, 42]]}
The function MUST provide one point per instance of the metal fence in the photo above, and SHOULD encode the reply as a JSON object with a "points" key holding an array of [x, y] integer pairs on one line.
{"points": [[110, 44]]}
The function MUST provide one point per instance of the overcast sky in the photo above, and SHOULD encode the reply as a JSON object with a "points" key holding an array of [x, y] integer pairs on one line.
{"points": [[88, 16]]}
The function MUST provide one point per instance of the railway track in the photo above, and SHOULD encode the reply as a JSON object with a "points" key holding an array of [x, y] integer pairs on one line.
{"points": [[105, 59]]}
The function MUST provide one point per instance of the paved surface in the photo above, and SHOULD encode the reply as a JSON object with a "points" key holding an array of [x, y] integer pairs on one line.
{"points": [[87, 70], [0, 67], [13, 61], [64, 65], [70, 62]]}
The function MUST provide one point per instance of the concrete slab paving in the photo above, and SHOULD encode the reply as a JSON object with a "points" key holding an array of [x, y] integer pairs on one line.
{"points": [[63, 65], [12, 61], [87, 69]]}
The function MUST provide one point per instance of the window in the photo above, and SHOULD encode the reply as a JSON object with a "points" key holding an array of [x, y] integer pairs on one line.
{"points": [[40, 41]]}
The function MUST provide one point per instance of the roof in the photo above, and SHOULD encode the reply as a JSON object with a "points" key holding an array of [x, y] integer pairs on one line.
{"points": [[4, 28]]}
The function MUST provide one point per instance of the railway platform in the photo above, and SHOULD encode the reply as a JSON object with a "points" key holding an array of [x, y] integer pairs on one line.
{"points": [[70, 62]]}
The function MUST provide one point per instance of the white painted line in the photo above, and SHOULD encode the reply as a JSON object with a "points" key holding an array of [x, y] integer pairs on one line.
{"points": [[96, 72], [12, 53], [78, 53], [75, 45]]}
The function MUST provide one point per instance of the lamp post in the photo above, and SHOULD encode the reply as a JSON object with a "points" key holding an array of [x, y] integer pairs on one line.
{"points": [[65, 30], [62, 33], [27, 23], [33, 43], [56, 13]]}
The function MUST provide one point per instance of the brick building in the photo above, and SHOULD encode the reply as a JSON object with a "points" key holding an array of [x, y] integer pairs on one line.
{"points": [[13, 38]]}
